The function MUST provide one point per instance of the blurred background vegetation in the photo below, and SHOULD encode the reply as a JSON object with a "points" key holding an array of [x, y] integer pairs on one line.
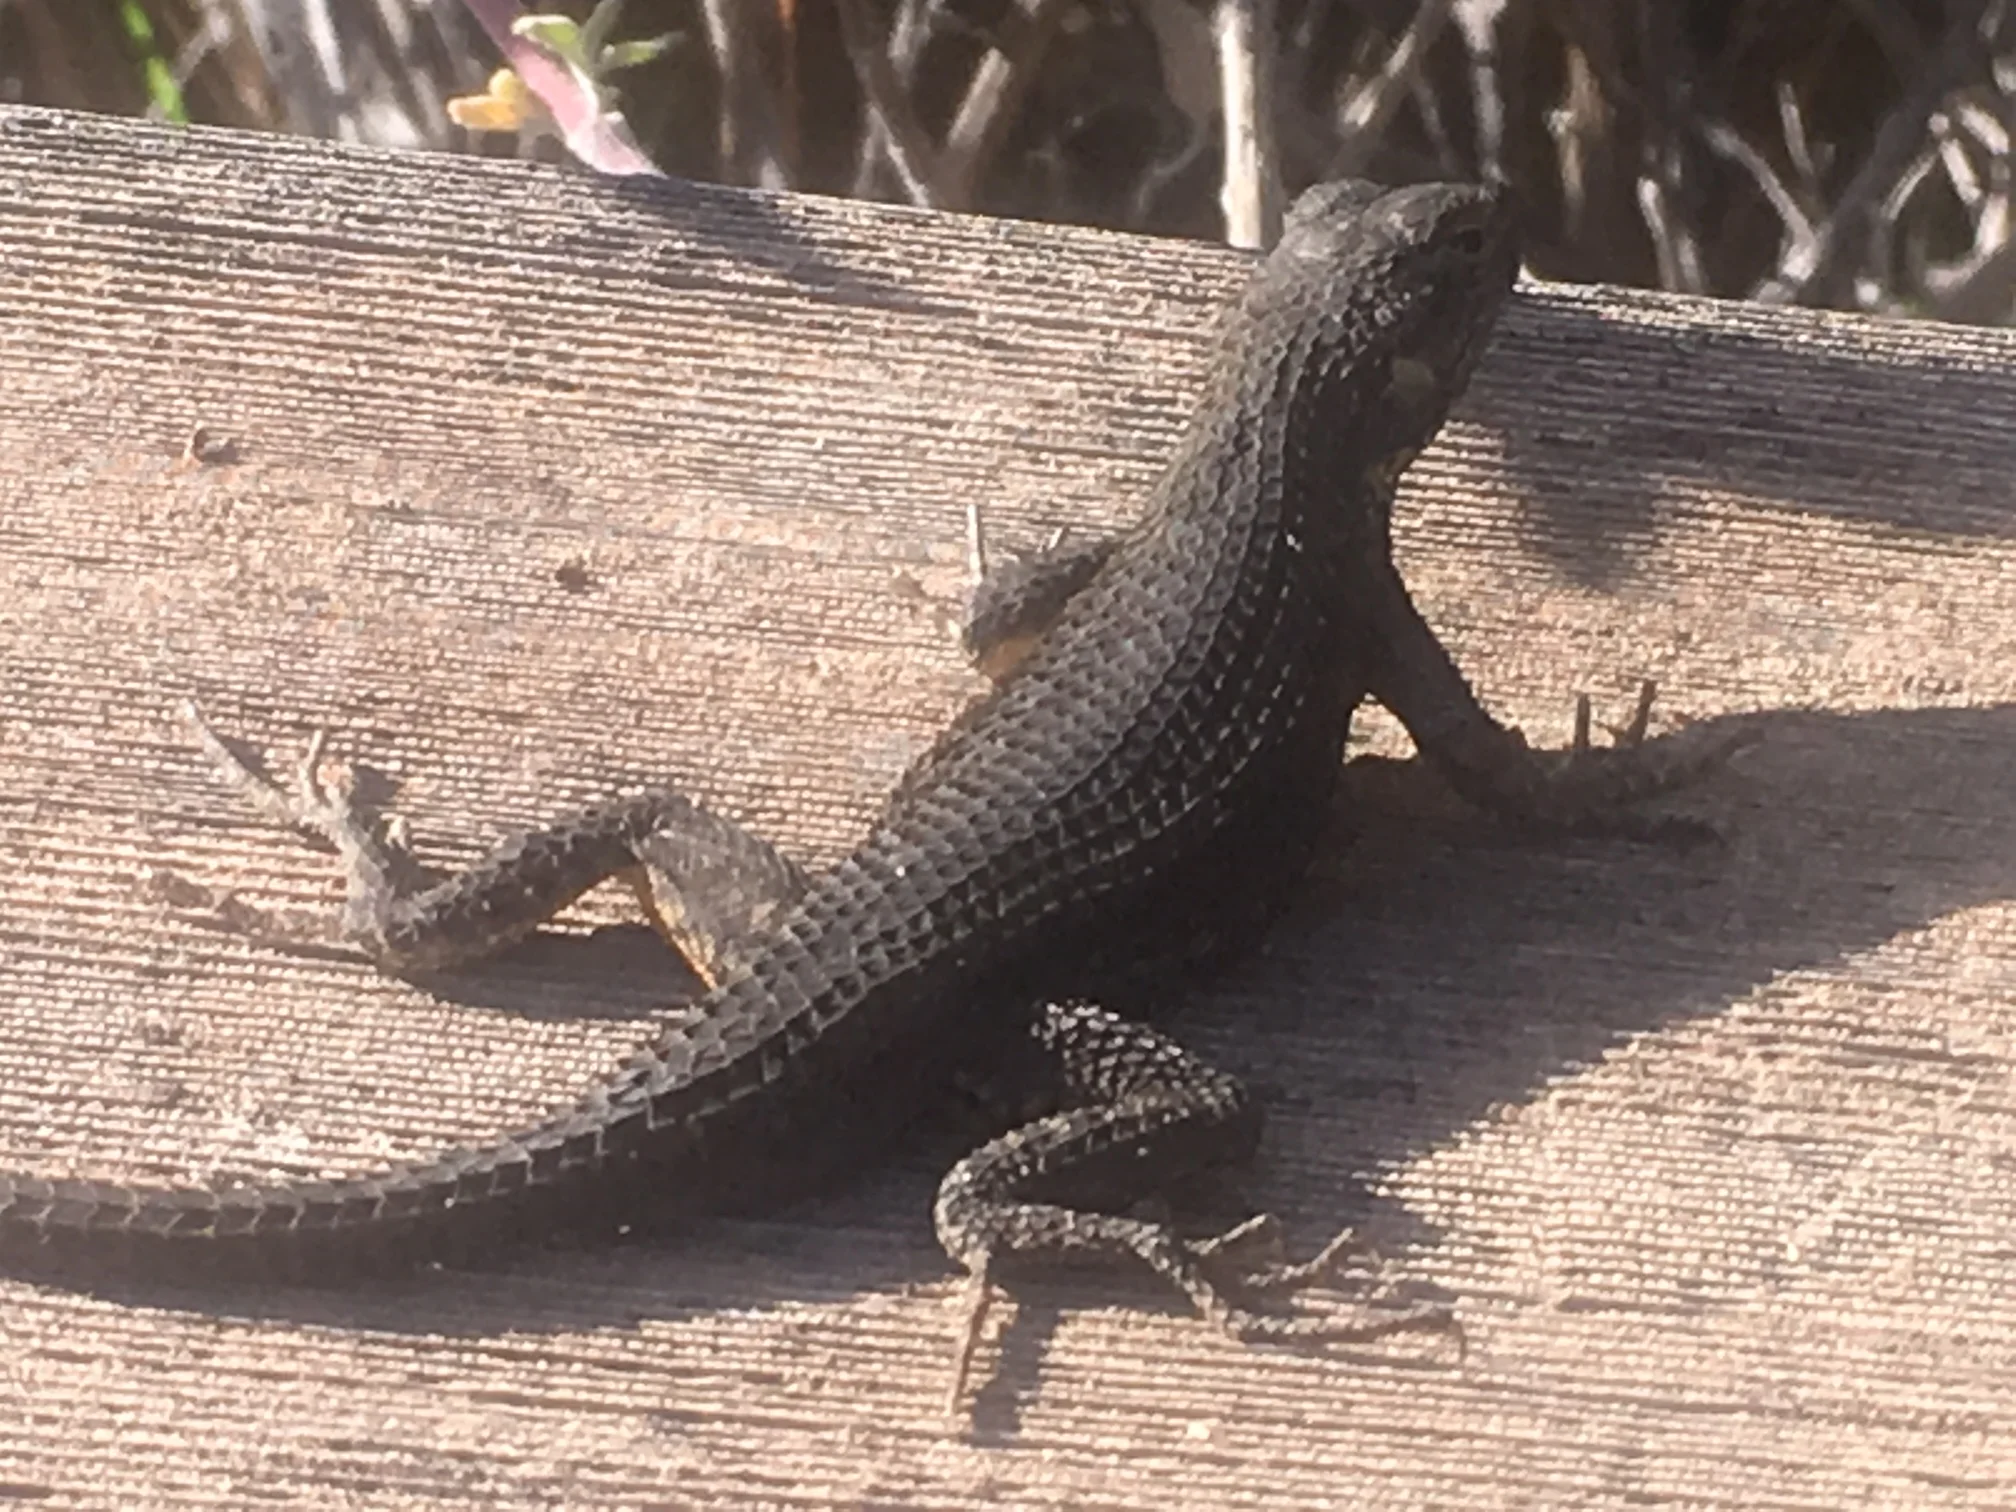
{"points": [[1849, 153]]}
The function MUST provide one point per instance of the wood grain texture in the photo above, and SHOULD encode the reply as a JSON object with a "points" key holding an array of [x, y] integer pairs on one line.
{"points": [[524, 484]]}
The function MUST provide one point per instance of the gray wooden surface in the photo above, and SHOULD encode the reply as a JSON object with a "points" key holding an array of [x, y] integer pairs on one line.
{"points": [[524, 484]]}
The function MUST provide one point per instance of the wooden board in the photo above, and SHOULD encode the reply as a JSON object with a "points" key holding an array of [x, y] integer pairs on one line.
{"points": [[524, 484]]}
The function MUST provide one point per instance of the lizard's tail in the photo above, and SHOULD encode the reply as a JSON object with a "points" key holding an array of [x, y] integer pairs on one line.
{"points": [[457, 1207]]}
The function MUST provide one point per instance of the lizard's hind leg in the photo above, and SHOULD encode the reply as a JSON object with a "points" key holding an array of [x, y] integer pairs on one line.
{"points": [[675, 853], [1143, 1113]]}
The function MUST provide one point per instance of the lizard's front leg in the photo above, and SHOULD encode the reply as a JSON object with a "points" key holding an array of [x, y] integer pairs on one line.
{"points": [[1017, 600], [1411, 673]]}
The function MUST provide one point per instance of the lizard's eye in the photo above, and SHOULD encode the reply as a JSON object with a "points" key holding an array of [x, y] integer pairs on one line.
{"points": [[1470, 241]]}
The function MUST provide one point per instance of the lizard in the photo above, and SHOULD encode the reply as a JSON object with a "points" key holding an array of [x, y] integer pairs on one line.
{"points": [[1169, 713]]}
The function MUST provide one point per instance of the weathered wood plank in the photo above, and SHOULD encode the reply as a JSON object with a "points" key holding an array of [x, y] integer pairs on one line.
{"points": [[522, 482]]}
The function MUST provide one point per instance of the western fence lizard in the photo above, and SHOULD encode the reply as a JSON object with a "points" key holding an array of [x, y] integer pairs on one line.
{"points": [[1141, 784]]}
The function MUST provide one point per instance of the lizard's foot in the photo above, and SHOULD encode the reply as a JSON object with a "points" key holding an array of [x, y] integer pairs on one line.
{"points": [[320, 807], [1249, 1257], [1587, 788], [323, 810], [1210, 1272]]}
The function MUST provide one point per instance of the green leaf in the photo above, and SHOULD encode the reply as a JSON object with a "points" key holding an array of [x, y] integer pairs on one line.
{"points": [[163, 93], [630, 54]]}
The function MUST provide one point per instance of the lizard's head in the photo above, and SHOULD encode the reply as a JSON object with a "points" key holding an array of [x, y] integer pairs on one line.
{"points": [[1396, 292]]}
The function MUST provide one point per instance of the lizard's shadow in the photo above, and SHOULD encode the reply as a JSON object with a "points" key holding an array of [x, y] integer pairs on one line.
{"points": [[1487, 967], [1440, 971]]}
